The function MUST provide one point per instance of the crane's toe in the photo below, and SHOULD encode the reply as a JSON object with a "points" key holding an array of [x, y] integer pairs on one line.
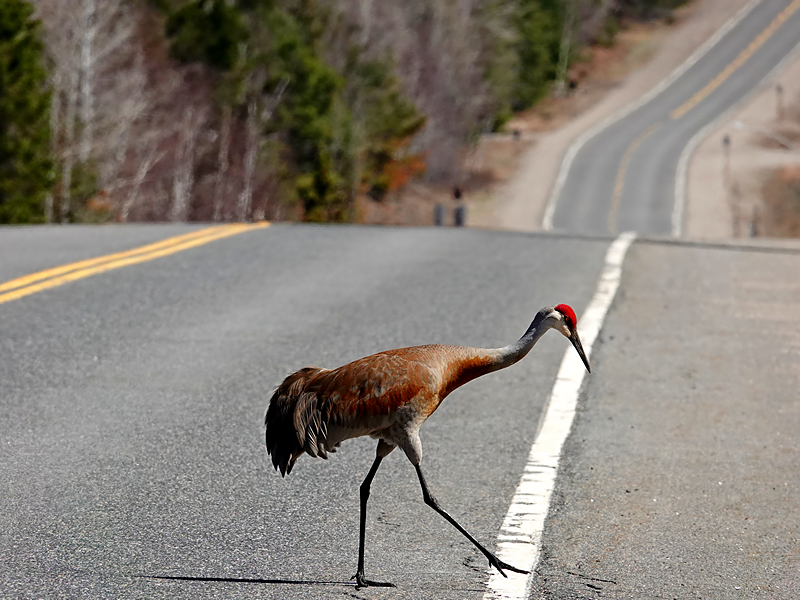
{"points": [[501, 566], [362, 582]]}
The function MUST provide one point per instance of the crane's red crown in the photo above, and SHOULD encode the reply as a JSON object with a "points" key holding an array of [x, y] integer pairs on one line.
{"points": [[568, 313]]}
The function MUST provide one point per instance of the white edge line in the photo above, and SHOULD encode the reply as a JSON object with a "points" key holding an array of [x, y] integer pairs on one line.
{"points": [[574, 148], [519, 541], [681, 175]]}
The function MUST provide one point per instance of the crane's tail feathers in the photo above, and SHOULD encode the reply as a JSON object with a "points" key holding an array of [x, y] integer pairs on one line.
{"points": [[295, 422], [282, 459]]}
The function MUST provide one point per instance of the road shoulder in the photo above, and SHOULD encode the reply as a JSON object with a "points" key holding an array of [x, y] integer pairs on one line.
{"points": [[679, 478]]}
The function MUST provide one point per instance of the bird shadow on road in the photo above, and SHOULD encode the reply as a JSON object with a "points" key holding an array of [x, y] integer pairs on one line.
{"points": [[247, 580]]}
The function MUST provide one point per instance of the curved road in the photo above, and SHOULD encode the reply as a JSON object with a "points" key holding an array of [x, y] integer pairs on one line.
{"points": [[624, 178]]}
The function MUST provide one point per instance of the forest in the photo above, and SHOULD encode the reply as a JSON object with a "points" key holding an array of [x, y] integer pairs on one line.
{"points": [[237, 110]]}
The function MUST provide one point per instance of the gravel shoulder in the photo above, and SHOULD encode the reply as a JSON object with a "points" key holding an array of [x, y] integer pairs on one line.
{"points": [[679, 479]]}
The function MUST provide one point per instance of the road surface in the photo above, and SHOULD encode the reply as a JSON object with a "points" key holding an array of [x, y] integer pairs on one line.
{"points": [[132, 461], [624, 177]]}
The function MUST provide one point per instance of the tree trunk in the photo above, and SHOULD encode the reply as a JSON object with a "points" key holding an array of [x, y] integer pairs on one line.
{"points": [[254, 124], [560, 88], [250, 154], [184, 169], [365, 8], [141, 173], [68, 152], [222, 161], [55, 115], [88, 34]]}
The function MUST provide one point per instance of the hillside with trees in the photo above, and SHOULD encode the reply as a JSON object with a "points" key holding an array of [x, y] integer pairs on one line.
{"points": [[220, 110], [25, 167]]}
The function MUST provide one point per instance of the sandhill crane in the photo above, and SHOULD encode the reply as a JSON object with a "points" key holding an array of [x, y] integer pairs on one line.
{"points": [[388, 396]]}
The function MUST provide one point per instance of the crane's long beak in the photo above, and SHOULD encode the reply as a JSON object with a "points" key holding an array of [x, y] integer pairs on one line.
{"points": [[576, 341]]}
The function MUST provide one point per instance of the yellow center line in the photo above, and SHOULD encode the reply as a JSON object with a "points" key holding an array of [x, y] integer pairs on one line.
{"points": [[50, 278], [48, 273], [737, 62], [619, 183]]}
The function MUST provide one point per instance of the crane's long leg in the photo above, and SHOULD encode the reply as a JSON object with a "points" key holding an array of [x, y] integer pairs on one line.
{"points": [[431, 501], [359, 576]]}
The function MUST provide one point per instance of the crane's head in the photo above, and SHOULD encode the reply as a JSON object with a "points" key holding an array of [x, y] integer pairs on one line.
{"points": [[566, 322]]}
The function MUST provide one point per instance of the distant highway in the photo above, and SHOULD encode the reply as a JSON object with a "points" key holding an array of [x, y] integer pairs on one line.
{"points": [[624, 177]]}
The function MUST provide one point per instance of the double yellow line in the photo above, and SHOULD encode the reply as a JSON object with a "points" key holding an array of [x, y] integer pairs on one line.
{"points": [[737, 62], [616, 196], [50, 278]]}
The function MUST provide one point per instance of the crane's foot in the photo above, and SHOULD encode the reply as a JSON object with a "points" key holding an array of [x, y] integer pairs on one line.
{"points": [[362, 582], [502, 566]]}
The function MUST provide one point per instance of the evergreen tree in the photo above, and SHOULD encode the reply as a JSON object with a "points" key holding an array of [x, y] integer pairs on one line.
{"points": [[339, 128], [208, 31], [306, 114], [380, 123], [538, 24], [25, 164]]}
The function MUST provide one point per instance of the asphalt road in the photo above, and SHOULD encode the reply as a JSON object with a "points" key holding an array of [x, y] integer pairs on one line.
{"points": [[623, 178], [131, 404], [132, 461]]}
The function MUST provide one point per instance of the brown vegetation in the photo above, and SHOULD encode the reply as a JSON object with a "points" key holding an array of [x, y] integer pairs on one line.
{"points": [[779, 212], [780, 196]]}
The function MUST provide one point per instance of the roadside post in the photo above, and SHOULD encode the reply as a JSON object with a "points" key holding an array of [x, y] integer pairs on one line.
{"points": [[460, 211]]}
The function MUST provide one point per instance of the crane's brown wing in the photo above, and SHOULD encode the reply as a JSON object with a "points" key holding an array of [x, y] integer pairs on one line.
{"points": [[357, 399], [373, 386]]}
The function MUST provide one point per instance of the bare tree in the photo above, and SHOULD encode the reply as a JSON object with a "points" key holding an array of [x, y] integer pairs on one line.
{"points": [[60, 26], [365, 14], [440, 47], [560, 88], [223, 161], [255, 125], [104, 37], [68, 152], [251, 152], [55, 116], [133, 100], [144, 168], [87, 39], [183, 179]]}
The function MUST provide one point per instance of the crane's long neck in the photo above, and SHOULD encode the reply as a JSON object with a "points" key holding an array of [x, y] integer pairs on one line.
{"points": [[508, 355], [470, 363]]}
